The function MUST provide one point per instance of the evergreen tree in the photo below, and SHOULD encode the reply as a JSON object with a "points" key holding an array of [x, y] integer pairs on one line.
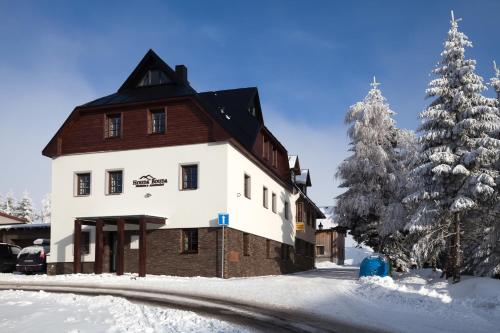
{"points": [[368, 174], [396, 241], [455, 171], [9, 204], [24, 208], [45, 212], [495, 81], [3, 204]]}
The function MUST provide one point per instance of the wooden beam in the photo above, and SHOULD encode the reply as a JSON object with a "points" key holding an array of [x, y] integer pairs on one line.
{"points": [[120, 229], [142, 247], [77, 240], [99, 246]]}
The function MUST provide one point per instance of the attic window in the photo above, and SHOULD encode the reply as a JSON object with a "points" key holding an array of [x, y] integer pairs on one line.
{"points": [[251, 110], [153, 77]]}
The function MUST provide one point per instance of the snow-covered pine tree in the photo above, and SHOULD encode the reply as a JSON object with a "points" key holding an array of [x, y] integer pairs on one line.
{"points": [[482, 237], [368, 174], [8, 204], [45, 212], [495, 80], [2, 204], [396, 241], [456, 165], [24, 208]]}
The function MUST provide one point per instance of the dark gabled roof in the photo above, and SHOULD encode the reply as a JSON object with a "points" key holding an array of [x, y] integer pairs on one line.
{"points": [[231, 109], [129, 92], [141, 94], [150, 61]]}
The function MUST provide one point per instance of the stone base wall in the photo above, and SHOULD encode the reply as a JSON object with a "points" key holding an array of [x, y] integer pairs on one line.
{"points": [[164, 255]]}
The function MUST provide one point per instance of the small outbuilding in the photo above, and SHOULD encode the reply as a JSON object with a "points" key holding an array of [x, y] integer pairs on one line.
{"points": [[330, 238], [20, 233]]}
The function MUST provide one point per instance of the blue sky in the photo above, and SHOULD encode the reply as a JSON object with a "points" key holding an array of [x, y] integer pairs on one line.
{"points": [[310, 62]]}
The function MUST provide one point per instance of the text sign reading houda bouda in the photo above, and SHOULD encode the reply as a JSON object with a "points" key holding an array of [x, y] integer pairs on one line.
{"points": [[148, 181]]}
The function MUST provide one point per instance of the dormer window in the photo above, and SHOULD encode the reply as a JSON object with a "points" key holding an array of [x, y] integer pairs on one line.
{"points": [[251, 110], [157, 121], [153, 77]]}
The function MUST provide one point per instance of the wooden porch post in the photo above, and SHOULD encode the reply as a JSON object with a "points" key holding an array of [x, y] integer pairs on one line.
{"points": [[99, 246], [77, 239], [142, 247], [120, 228]]}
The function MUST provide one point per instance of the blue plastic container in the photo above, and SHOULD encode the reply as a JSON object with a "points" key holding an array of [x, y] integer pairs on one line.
{"points": [[374, 265]]}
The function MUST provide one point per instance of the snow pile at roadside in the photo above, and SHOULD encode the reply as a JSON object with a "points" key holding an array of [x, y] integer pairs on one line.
{"points": [[22, 311], [422, 302]]}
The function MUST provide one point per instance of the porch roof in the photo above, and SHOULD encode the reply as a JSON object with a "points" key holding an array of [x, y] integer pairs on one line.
{"points": [[130, 219]]}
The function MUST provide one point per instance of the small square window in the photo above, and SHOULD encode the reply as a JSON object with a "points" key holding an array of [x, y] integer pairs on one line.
{"points": [[273, 202], [247, 186], [190, 177], [83, 184], [268, 248], [275, 157], [134, 242], [246, 244], [300, 212], [157, 125], [190, 240], [115, 179], [265, 197], [113, 125]]}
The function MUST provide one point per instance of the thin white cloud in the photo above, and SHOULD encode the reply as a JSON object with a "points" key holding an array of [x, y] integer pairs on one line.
{"points": [[34, 101]]}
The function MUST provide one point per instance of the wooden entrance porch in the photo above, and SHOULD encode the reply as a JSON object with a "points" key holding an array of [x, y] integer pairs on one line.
{"points": [[120, 222]]}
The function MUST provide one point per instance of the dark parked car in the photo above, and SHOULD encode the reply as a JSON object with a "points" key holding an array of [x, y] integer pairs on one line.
{"points": [[8, 257], [33, 259]]}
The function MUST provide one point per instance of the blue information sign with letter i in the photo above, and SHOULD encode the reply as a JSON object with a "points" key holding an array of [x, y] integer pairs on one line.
{"points": [[223, 219]]}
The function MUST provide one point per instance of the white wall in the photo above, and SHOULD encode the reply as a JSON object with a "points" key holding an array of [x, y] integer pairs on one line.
{"points": [[183, 209], [249, 215]]}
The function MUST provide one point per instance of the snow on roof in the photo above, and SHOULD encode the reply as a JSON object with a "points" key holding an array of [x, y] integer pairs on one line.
{"points": [[292, 159], [25, 226], [10, 219], [303, 178], [329, 221]]}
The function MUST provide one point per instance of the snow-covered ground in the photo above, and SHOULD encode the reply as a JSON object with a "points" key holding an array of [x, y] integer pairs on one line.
{"points": [[417, 302], [30, 312]]}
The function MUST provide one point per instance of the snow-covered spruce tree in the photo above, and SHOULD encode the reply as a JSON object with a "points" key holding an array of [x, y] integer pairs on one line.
{"points": [[396, 241], [495, 80], [24, 209], [455, 172], [45, 212], [2, 204], [8, 204], [482, 235], [368, 174]]}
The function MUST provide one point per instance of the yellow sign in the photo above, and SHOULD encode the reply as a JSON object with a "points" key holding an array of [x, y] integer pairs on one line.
{"points": [[299, 226]]}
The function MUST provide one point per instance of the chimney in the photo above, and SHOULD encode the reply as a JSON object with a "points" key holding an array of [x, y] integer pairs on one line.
{"points": [[182, 73]]}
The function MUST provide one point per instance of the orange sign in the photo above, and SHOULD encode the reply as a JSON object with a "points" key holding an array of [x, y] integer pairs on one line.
{"points": [[299, 226]]}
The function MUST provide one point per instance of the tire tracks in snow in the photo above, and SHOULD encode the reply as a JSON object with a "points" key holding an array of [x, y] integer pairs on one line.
{"points": [[259, 317]]}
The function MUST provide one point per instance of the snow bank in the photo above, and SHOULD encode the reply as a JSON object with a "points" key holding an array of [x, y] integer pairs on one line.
{"points": [[32, 312], [413, 302]]}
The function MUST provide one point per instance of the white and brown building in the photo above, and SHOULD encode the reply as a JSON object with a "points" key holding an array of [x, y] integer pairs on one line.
{"points": [[330, 238], [140, 176]]}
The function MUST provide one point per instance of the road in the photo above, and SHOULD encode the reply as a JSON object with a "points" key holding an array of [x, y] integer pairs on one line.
{"points": [[259, 317]]}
